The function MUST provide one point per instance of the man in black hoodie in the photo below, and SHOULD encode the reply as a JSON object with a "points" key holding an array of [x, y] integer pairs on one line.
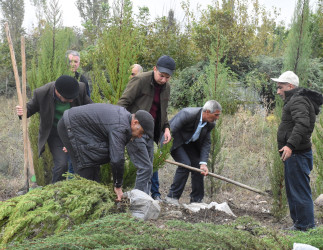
{"points": [[294, 143]]}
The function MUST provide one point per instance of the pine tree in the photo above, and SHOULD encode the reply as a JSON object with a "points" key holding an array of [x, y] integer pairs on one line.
{"points": [[318, 157], [299, 44]]}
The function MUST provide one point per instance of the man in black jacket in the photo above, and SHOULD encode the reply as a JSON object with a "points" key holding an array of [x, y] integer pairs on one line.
{"points": [[294, 144], [97, 134], [191, 129], [50, 101]]}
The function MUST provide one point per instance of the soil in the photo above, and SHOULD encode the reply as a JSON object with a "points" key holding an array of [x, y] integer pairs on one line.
{"points": [[242, 202]]}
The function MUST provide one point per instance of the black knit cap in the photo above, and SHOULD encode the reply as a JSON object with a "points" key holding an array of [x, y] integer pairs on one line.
{"points": [[166, 64], [146, 121], [67, 86]]}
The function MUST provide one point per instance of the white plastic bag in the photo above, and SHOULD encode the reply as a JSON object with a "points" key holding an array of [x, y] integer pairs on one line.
{"points": [[142, 206]]}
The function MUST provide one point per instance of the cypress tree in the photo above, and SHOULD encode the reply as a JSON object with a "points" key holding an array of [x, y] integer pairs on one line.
{"points": [[299, 44]]}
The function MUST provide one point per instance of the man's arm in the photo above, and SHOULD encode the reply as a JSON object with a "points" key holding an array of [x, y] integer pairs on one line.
{"points": [[130, 93]]}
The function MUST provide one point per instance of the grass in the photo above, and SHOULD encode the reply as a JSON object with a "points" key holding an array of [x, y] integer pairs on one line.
{"points": [[122, 231]]}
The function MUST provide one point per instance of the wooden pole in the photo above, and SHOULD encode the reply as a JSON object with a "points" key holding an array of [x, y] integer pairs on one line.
{"points": [[218, 177], [14, 65], [24, 116]]}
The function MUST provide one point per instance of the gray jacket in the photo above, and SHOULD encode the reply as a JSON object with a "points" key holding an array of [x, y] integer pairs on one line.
{"points": [[183, 126], [98, 134]]}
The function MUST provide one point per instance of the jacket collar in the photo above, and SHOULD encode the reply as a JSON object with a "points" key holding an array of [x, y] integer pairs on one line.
{"points": [[290, 93]]}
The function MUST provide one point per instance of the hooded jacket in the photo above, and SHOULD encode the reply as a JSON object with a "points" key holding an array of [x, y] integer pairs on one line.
{"points": [[298, 119]]}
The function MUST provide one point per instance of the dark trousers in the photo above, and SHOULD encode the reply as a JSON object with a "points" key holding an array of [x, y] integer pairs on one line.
{"points": [[90, 173], [298, 190], [187, 154], [59, 156]]}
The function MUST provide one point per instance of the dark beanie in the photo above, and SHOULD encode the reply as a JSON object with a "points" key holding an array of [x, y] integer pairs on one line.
{"points": [[146, 121], [67, 86]]}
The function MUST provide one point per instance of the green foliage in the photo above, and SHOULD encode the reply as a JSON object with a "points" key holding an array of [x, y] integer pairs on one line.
{"points": [[116, 52], [276, 169], [215, 158], [50, 210], [125, 232], [318, 156], [298, 49], [186, 91]]}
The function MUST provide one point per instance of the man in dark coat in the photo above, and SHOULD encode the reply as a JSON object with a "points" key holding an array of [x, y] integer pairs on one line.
{"points": [[98, 133], [50, 101], [191, 129], [149, 91], [294, 143]]}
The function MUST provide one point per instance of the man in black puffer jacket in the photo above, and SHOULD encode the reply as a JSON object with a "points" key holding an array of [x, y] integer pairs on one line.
{"points": [[294, 143]]}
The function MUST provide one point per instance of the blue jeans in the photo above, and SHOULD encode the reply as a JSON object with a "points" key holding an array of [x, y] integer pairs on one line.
{"points": [[155, 185], [298, 190]]}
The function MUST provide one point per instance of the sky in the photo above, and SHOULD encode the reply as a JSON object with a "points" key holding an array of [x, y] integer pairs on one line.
{"points": [[157, 8]]}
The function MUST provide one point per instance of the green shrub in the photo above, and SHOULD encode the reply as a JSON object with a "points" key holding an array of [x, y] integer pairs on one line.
{"points": [[50, 210]]}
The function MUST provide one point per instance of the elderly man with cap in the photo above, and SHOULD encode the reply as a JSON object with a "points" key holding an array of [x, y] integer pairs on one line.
{"points": [[50, 101], [149, 91], [97, 134], [294, 144]]}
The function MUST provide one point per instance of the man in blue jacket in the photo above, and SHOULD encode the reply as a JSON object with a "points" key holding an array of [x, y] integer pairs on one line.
{"points": [[191, 129], [97, 134]]}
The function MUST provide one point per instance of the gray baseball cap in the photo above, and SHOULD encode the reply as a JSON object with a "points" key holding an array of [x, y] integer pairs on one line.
{"points": [[146, 122], [166, 64]]}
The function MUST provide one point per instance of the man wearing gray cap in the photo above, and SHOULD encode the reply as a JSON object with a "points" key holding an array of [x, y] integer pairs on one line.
{"points": [[50, 101], [149, 91], [97, 134], [294, 144]]}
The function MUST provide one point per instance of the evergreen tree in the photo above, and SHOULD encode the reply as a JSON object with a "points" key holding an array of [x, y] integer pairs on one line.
{"points": [[95, 16], [298, 50], [318, 159]]}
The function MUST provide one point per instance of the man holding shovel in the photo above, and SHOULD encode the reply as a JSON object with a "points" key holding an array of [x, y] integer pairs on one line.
{"points": [[50, 101], [191, 129]]}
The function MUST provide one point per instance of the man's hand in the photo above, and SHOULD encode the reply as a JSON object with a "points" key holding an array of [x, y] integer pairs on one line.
{"points": [[64, 149], [119, 193], [205, 169], [19, 110], [167, 136], [287, 152]]}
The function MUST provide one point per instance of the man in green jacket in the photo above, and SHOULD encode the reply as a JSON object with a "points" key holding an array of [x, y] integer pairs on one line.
{"points": [[149, 91], [294, 144]]}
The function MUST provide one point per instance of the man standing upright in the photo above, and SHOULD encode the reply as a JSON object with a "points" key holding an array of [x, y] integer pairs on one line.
{"points": [[50, 101], [149, 91], [74, 60], [294, 143], [191, 129]]}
